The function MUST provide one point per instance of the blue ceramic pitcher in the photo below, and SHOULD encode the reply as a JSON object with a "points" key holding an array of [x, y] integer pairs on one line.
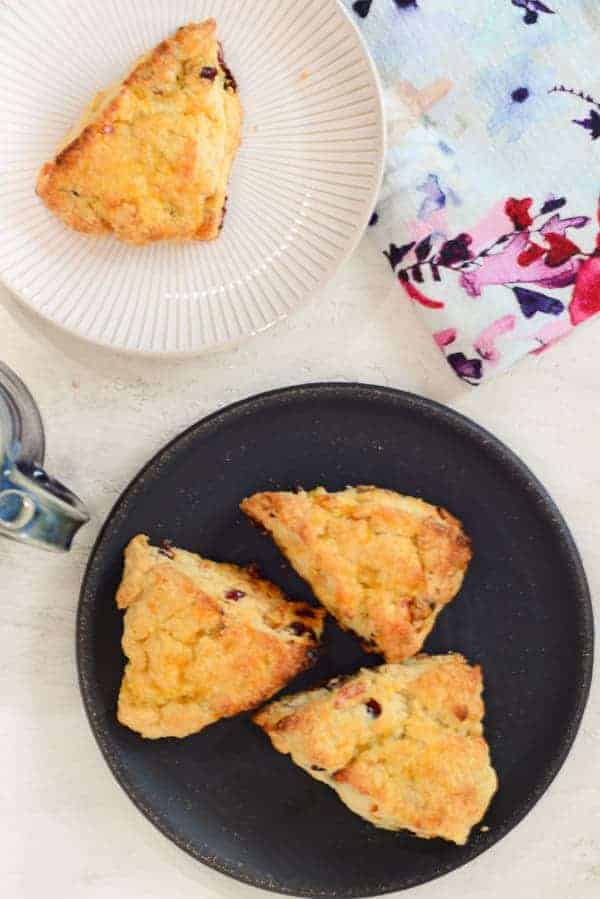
{"points": [[34, 508]]}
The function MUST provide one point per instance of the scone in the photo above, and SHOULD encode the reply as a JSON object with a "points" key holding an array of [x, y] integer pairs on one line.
{"points": [[383, 564], [204, 640], [151, 157], [402, 745]]}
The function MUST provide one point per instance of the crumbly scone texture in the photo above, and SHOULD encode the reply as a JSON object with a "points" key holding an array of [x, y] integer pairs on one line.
{"points": [[204, 640], [402, 744], [383, 564], [151, 157]]}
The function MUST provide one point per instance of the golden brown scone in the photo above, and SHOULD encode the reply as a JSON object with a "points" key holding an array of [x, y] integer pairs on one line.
{"points": [[204, 640], [383, 564], [150, 158], [402, 745]]}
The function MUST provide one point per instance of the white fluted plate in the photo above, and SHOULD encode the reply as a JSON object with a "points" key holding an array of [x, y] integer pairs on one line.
{"points": [[304, 185]]}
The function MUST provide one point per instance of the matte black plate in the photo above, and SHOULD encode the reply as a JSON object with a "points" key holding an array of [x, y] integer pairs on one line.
{"points": [[225, 796]]}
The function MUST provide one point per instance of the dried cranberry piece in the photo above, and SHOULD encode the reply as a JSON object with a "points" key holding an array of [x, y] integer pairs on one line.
{"points": [[235, 595], [299, 628], [209, 72], [166, 549], [230, 81], [373, 708]]}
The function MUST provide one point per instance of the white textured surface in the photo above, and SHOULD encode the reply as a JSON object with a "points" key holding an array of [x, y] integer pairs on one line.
{"points": [[303, 186], [67, 830]]}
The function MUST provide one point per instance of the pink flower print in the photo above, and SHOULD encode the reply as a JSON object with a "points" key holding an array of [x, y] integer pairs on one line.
{"points": [[586, 296], [556, 225], [485, 344], [436, 224], [445, 338], [551, 334], [504, 268], [489, 229]]}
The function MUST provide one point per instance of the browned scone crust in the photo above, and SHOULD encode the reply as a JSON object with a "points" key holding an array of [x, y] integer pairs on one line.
{"points": [[151, 157], [383, 564], [204, 640], [402, 744]]}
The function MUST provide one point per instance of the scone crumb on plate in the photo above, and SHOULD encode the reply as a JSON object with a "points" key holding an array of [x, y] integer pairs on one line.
{"points": [[151, 156]]}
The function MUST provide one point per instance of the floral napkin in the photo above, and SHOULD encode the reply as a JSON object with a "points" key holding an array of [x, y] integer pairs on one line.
{"points": [[489, 209]]}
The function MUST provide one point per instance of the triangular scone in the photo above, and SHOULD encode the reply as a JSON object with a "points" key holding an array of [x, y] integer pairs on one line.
{"points": [[383, 564], [402, 745], [151, 157], [204, 640]]}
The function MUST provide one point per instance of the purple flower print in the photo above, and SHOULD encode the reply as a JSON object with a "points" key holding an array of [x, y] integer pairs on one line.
{"points": [[518, 246], [362, 8], [541, 255], [504, 268], [532, 253], [532, 9], [456, 250], [592, 122], [556, 225], [470, 370], [532, 302], [436, 197]]}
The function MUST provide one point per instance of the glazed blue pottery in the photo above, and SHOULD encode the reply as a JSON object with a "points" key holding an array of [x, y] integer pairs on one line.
{"points": [[34, 508]]}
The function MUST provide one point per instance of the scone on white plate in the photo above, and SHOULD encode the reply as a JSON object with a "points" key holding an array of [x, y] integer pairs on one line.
{"points": [[402, 745], [151, 157], [204, 640]]}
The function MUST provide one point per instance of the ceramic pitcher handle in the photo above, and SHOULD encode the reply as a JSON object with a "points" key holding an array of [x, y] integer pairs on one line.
{"points": [[38, 510]]}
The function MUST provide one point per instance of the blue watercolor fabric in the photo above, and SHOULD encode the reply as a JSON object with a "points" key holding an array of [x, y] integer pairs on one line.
{"points": [[488, 214]]}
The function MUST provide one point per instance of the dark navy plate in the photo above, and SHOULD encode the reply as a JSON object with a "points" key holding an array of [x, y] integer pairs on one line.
{"points": [[225, 796]]}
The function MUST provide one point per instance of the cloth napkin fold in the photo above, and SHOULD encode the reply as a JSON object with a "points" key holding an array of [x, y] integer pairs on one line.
{"points": [[489, 209]]}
